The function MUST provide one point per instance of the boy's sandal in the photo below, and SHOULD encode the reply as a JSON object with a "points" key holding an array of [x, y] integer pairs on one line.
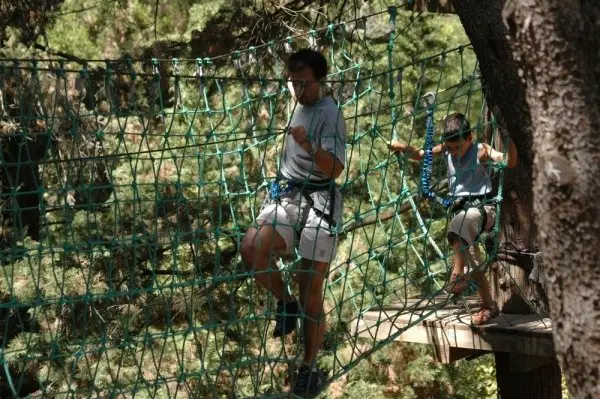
{"points": [[458, 283], [485, 314]]}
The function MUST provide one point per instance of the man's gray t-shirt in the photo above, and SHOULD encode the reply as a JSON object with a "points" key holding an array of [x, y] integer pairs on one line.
{"points": [[325, 125]]}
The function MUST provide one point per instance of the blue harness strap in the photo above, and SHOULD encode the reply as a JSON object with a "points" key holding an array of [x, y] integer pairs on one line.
{"points": [[280, 186]]}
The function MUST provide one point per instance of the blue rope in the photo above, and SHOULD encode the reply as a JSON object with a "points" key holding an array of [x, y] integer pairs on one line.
{"points": [[428, 163]]}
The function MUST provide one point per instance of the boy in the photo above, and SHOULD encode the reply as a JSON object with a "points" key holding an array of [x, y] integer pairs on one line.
{"points": [[304, 200], [470, 185]]}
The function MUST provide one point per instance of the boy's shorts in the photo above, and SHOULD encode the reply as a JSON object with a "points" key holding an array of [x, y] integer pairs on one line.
{"points": [[467, 223], [294, 219]]}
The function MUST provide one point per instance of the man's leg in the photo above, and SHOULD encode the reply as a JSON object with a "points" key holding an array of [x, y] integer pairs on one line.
{"points": [[311, 283], [317, 248], [274, 236], [258, 247]]}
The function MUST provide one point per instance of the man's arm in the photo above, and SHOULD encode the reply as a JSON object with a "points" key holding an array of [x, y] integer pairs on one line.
{"points": [[326, 161], [414, 152], [489, 153]]}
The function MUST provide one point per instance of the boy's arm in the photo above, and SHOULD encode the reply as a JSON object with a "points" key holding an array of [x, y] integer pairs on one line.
{"points": [[489, 153], [412, 151]]}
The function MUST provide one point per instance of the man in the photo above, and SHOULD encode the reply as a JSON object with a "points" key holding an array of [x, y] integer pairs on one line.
{"points": [[304, 208], [470, 186]]}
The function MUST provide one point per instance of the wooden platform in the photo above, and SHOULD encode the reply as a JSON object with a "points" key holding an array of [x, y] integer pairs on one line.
{"points": [[447, 326]]}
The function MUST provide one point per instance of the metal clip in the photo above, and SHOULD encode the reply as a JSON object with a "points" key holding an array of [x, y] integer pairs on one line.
{"points": [[287, 45], [237, 63], [200, 75], [176, 70], [251, 56], [312, 40], [428, 99]]}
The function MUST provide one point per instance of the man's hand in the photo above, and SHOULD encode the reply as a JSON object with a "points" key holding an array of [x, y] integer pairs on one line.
{"points": [[325, 161], [301, 137], [397, 146]]}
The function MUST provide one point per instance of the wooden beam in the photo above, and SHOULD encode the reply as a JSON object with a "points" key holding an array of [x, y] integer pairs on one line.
{"points": [[450, 354]]}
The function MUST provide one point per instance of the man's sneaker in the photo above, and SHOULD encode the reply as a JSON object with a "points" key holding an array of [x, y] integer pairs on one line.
{"points": [[285, 318], [309, 383]]}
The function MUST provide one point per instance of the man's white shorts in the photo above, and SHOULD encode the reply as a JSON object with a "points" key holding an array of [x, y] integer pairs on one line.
{"points": [[294, 219]]}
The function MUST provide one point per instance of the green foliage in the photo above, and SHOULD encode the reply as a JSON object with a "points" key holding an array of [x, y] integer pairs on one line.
{"points": [[409, 371], [110, 29], [477, 378], [200, 13]]}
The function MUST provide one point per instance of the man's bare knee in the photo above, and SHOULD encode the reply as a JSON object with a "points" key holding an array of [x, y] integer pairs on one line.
{"points": [[248, 247], [261, 242], [255, 244]]}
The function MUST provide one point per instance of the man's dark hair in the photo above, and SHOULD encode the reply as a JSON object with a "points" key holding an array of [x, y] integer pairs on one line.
{"points": [[456, 127], [308, 58]]}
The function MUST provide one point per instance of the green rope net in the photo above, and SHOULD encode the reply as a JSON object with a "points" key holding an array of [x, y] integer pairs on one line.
{"points": [[128, 184]]}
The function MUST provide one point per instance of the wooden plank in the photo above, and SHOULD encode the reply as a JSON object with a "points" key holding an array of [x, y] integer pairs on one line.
{"points": [[499, 341], [429, 303], [462, 320], [451, 328]]}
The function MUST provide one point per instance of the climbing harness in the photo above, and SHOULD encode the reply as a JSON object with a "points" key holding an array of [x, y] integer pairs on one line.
{"points": [[282, 185]]}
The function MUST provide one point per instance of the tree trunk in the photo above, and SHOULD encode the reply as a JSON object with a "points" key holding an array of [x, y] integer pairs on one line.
{"points": [[511, 286], [21, 209], [542, 382], [557, 47]]}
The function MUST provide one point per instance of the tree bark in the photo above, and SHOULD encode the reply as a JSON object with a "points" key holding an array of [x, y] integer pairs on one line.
{"points": [[506, 96], [21, 208], [557, 47]]}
